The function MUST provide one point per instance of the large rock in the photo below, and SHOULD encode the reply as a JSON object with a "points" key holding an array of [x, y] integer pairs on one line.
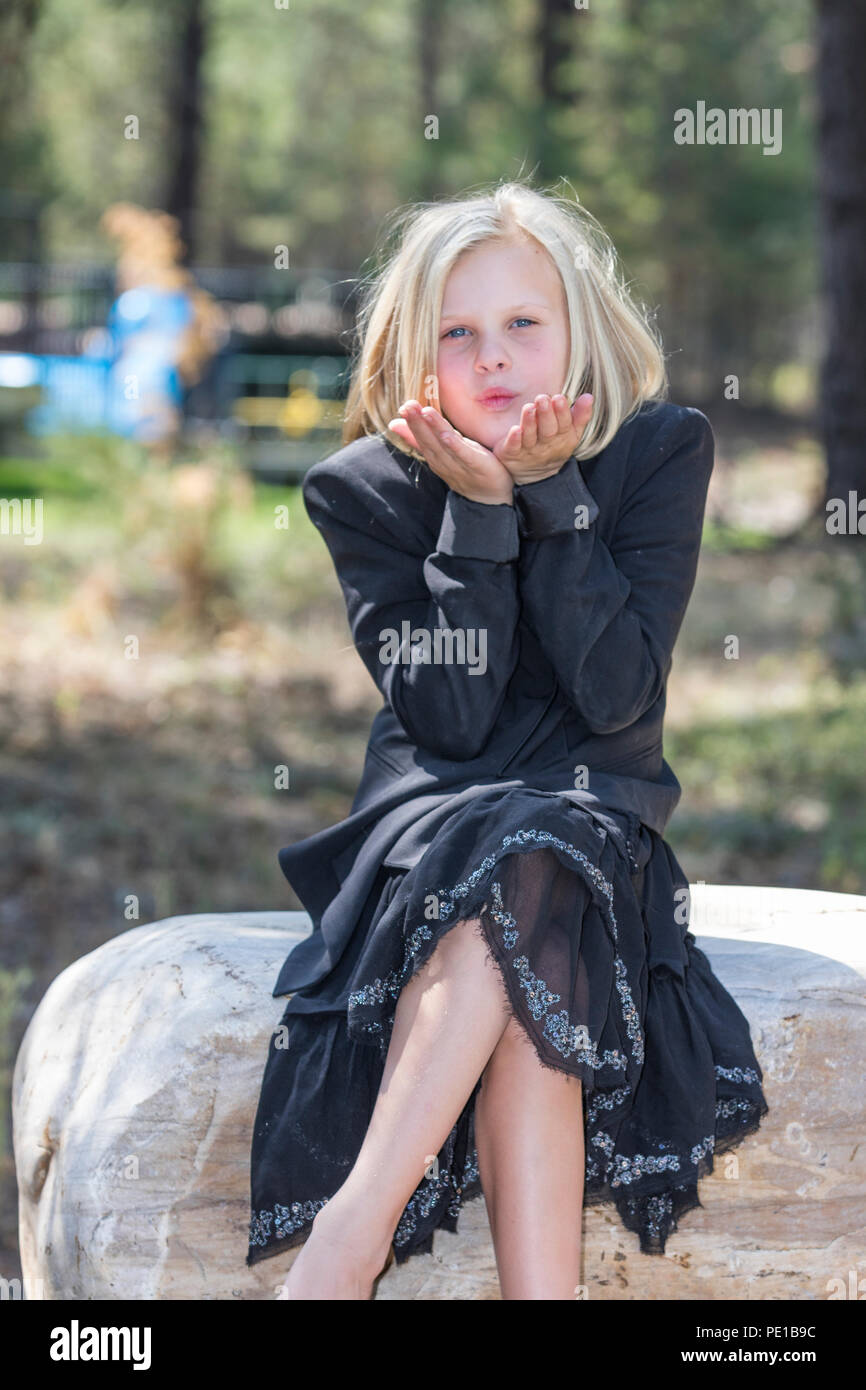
{"points": [[136, 1086]]}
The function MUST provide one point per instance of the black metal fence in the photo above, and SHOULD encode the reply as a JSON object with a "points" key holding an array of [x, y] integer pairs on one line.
{"points": [[276, 386]]}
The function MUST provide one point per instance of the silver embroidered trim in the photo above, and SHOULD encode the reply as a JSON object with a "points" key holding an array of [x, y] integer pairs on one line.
{"points": [[658, 1211], [741, 1074], [621, 1169], [378, 990], [284, 1220], [600, 1101], [566, 1037], [558, 1030], [429, 1195], [727, 1108]]}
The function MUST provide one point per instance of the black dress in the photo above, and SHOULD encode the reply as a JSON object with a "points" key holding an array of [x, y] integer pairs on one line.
{"points": [[562, 863]]}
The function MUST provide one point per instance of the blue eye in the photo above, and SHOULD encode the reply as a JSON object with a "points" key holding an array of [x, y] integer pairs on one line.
{"points": [[452, 331]]}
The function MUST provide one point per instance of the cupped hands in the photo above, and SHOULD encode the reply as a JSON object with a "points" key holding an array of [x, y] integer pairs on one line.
{"points": [[546, 436]]}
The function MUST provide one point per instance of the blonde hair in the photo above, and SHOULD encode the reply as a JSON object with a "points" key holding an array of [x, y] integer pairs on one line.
{"points": [[615, 353]]}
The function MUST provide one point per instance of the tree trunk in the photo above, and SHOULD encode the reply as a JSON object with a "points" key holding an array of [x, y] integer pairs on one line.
{"points": [[842, 188], [431, 17], [555, 36], [183, 155]]}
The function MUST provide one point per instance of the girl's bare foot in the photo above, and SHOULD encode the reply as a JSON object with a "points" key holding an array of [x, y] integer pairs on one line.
{"points": [[339, 1260]]}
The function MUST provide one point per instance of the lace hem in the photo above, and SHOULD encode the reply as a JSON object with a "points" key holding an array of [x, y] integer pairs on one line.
{"points": [[652, 1216], [655, 1216]]}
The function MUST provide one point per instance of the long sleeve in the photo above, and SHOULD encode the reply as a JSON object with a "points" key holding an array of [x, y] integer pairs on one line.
{"points": [[608, 617], [395, 589]]}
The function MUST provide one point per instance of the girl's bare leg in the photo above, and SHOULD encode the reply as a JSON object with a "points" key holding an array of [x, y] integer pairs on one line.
{"points": [[530, 1141], [449, 1018]]}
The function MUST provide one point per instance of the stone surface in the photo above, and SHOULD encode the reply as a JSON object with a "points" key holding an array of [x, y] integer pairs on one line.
{"points": [[136, 1085]]}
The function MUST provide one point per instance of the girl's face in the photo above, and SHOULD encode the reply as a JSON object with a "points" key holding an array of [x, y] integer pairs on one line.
{"points": [[503, 337]]}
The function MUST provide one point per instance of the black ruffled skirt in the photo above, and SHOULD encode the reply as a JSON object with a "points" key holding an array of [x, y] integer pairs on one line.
{"points": [[585, 914]]}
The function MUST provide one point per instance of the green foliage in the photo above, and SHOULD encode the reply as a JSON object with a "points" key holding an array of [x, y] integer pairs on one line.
{"points": [[726, 539], [314, 131], [776, 789], [13, 985]]}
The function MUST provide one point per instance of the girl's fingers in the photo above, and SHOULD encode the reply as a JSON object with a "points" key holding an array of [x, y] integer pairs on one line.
{"points": [[513, 440], [529, 426], [443, 455], [419, 418], [441, 434], [420, 425], [548, 425], [510, 446], [402, 430], [432, 416], [562, 412], [545, 424], [455, 449]]}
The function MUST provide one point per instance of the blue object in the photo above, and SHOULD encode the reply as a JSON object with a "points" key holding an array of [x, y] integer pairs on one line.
{"points": [[73, 389], [145, 391]]}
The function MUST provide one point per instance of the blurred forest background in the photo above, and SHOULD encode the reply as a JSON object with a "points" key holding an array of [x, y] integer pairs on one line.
{"points": [[153, 779]]}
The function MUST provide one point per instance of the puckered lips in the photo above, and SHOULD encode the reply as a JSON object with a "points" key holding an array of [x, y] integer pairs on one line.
{"points": [[496, 398]]}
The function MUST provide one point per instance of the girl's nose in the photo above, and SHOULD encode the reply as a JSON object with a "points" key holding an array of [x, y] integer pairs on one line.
{"points": [[492, 356]]}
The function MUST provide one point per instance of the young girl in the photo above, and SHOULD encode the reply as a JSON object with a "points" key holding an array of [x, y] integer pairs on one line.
{"points": [[500, 993]]}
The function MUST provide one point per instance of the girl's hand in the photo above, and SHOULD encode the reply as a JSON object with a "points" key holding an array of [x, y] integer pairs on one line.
{"points": [[465, 466], [548, 434]]}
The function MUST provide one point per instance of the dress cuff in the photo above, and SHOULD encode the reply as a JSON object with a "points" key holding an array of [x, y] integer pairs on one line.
{"points": [[548, 508], [478, 530]]}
